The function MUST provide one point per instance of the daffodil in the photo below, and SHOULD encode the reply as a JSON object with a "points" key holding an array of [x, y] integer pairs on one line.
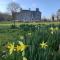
{"points": [[56, 28], [21, 37], [43, 45], [18, 48], [52, 28], [10, 47], [21, 47], [52, 32], [29, 33]]}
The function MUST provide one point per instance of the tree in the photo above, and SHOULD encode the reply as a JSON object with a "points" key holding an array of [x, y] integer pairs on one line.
{"points": [[52, 17], [5, 17], [13, 7]]}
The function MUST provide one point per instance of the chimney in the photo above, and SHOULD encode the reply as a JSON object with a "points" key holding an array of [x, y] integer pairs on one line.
{"points": [[20, 9], [37, 9], [29, 9]]}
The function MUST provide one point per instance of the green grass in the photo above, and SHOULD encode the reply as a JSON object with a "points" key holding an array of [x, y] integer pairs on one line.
{"points": [[8, 23]]}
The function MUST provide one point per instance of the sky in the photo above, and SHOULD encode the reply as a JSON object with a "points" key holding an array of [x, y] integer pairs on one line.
{"points": [[47, 7]]}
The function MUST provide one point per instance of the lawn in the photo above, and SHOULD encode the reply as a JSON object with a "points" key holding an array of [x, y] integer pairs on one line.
{"points": [[19, 23]]}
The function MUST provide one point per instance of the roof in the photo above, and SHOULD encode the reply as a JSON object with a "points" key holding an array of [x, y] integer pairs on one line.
{"points": [[28, 11]]}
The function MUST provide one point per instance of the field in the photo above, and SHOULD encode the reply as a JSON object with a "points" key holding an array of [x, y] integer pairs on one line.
{"points": [[30, 41]]}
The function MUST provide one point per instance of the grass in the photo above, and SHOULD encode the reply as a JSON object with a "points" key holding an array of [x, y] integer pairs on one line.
{"points": [[8, 23]]}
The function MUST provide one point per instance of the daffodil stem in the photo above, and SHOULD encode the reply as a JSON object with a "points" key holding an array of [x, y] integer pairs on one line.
{"points": [[15, 56]]}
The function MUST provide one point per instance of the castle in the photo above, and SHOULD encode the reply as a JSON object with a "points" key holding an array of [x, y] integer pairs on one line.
{"points": [[28, 15]]}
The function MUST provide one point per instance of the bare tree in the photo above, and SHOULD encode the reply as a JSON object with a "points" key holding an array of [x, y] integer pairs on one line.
{"points": [[53, 17], [13, 7]]}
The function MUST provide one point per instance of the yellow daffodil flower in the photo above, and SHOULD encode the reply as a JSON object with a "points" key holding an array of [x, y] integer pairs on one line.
{"points": [[43, 45], [21, 47], [10, 47], [18, 48]]}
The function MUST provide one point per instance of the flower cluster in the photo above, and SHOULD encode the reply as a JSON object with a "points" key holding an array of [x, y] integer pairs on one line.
{"points": [[54, 29], [21, 47]]}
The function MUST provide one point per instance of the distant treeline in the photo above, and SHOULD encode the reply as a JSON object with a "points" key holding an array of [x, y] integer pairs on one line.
{"points": [[5, 17]]}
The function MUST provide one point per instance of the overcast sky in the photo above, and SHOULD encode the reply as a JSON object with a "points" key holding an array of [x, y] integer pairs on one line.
{"points": [[47, 7]]}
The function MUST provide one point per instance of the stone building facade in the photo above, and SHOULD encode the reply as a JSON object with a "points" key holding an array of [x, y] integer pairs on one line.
{"points": [[28, 15]]}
